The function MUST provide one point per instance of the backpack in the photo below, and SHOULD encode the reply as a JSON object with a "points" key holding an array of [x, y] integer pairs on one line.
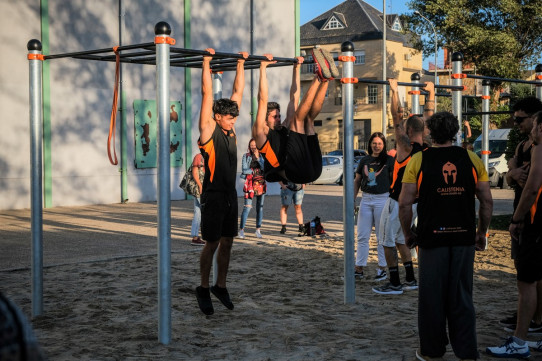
{"points": [[313, 228]]}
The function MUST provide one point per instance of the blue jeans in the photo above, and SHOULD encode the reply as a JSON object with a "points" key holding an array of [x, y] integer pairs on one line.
{"points": [[197, 218], [259, 211]]}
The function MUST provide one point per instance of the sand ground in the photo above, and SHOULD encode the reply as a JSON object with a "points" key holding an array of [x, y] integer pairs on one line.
{"points": [[100, 288]]}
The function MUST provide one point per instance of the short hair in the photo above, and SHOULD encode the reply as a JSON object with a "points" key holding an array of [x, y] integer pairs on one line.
{"points": [[538, 117], [443, 126], [529, 105], [415, 123], [272, 106], [226, 107]]}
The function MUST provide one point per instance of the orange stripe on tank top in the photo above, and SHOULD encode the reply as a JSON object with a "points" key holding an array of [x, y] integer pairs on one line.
{"points": [[270, 155], [533, 208], [209, 148]]}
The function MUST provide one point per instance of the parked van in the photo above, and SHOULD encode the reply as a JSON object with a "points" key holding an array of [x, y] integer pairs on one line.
{"points": [[498, 165]]}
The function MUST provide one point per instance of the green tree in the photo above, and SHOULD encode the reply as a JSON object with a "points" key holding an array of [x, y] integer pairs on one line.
{"points": [[499, 37]]}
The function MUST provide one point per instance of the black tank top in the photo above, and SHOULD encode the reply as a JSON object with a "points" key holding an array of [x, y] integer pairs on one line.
{"points": [[446, 206], [523, 158], [220, 154], [399, 171]]}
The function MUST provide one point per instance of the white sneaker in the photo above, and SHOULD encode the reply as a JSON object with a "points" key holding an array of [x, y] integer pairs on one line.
{"points": [[258, 234], [241, 234], [511, 348], [535, 345]]}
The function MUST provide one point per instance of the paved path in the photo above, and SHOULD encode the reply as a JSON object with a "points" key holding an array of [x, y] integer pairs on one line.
{"points": [[96, 232]]}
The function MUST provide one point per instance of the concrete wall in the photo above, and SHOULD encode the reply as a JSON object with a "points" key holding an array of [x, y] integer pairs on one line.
{"points": [[81, 90]]}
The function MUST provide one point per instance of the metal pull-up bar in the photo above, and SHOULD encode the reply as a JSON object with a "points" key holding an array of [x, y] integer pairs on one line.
{"points": [[413, 85]]}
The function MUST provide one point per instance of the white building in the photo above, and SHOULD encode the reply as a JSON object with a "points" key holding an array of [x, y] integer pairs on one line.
{"points": [[78, 93]]}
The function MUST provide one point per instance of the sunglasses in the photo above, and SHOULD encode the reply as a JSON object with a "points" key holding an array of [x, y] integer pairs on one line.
{"points": [[520, 120]]}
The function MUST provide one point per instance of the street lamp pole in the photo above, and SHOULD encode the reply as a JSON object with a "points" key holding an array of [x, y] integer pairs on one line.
{"points": [[436, 48]]}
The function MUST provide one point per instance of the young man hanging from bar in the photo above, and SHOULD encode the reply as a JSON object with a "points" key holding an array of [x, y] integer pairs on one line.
{"points": [[291, 149], [218, 144]]}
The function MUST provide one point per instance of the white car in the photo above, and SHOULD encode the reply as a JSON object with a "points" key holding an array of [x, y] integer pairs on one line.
{"points": [[498, 165], [332, 170]]}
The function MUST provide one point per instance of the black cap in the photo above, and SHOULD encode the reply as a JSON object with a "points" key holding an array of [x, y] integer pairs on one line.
{"points": [[538, 68], [486, 82], [415, 76], [162, 28], [34, 44], [347, 46], [457, 56]]}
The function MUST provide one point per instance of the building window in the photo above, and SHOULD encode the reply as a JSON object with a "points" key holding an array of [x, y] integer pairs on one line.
{"points": [[335, 55], [360, 57], [317, 123], [332, 24], [372, 94], [307, 68], [397, 25]]}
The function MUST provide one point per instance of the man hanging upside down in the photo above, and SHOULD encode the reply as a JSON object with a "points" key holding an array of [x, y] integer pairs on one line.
{"points": [[291, 148]]}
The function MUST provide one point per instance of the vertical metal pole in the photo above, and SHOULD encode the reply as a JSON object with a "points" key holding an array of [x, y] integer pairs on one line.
{"points": [[436, 52], [187, 90], [347, 49], [486, 97], [217, 94], [384, 70], [122, 110], [36, 169], [538, 71], [163, 30], [253, 100], [415, 94], [457, 80]]}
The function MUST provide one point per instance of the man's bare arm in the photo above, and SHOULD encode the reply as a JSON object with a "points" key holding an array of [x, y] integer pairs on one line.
{"points": [[401, 138], [260, 128], [239, 82], [206, 123], [406, 199], [483, 193], [429, 108], [295, 92]]}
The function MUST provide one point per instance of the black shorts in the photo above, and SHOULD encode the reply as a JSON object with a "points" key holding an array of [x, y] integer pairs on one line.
{"points": [[218, 215], [303, 162], [528, 259]]}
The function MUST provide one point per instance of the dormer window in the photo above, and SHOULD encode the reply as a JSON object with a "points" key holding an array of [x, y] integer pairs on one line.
{"points": [[397, 25], [333, 23]]}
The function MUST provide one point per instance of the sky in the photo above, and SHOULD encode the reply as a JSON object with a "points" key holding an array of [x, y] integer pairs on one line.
{"points": [[312, 8], [309, 9]]}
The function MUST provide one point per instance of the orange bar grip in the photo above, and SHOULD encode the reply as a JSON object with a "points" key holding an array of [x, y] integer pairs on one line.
{"points": [[486, 152], [36, 57], [345, 58], [486, 97], [538, 77], [164, 40], [349, 80], [414, 92], [459, 76]]}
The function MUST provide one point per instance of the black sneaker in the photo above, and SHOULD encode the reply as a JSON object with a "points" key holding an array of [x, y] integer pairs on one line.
{"points": [[509, 321], [381, 275], [223, 295], [302, 230], [388, 289], [204, 300], [534, 328], [283, 229]]}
